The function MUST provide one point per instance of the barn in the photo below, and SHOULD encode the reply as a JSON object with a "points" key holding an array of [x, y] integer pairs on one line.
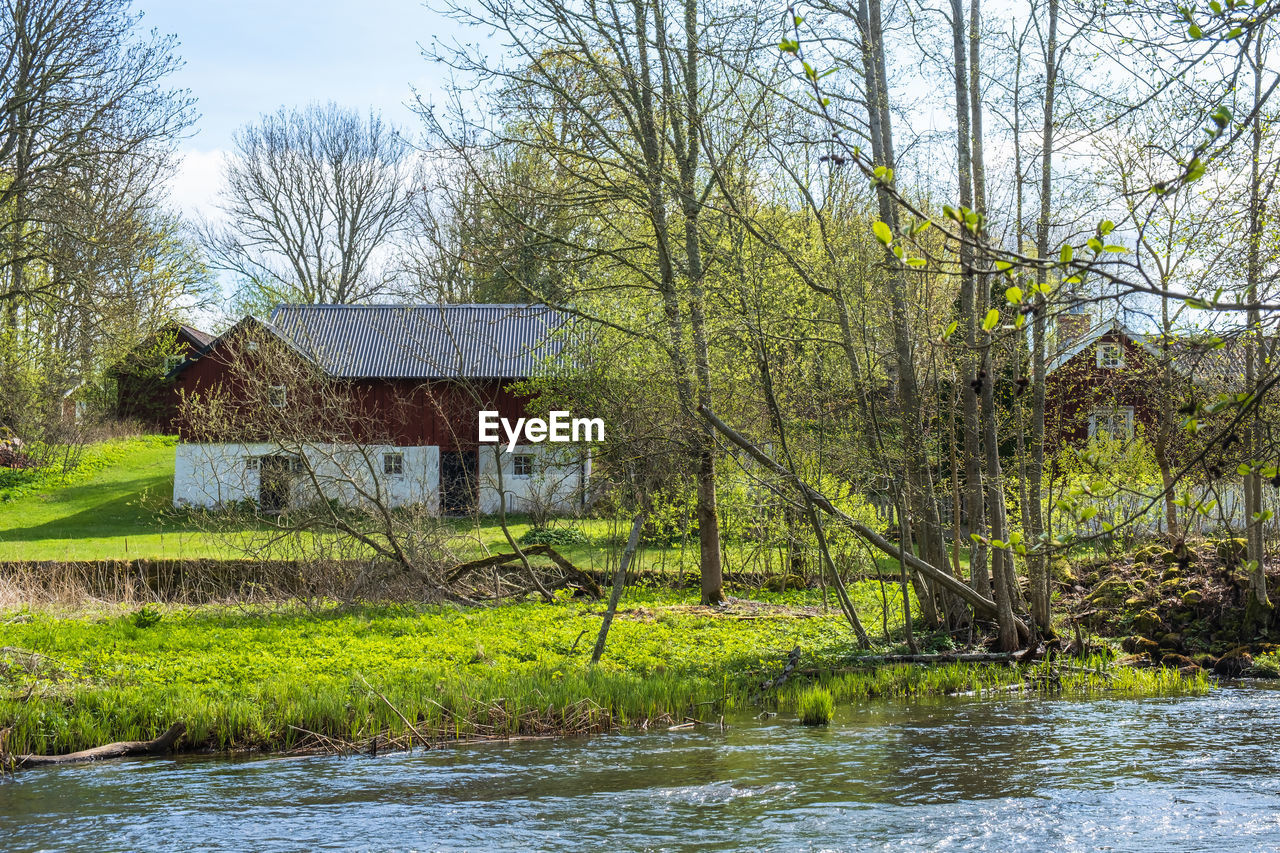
{"points": [[374, 404]]}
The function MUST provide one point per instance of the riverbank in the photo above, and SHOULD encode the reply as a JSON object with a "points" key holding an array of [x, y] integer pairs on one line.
{"points": [[289, 677]]}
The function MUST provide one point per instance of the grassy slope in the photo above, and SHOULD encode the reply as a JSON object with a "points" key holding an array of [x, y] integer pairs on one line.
{"points": [[108, 514]]}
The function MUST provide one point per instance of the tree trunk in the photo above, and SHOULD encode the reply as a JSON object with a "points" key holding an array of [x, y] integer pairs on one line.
{"points": [[1258, 610], [1039, 532], [979, 575]]}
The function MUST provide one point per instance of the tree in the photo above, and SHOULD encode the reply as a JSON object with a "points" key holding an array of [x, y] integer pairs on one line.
{"points": [[314, 200]]}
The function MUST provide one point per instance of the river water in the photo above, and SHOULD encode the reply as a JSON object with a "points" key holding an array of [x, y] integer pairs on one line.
{"points": [[944, 774]]}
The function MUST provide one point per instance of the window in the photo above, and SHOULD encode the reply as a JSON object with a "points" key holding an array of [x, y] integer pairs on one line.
{"points": [[278, 396], [251, 346], [393, 464], [171, 362], [522, 465], [1116, 422], [251, 463], [1110, 355]]}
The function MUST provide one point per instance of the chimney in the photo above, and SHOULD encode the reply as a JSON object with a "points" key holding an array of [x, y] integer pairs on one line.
{"points": [[1072, 327]]}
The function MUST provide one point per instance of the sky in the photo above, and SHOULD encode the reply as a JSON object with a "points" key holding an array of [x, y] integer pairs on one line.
{"points": [[246, 58]]}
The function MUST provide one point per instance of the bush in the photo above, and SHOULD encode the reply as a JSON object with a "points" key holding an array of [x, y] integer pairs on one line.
{"points": [[816, 706]]}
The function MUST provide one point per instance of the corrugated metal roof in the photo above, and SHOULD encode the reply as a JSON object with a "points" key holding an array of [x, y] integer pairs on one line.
{"points": [[424, 341]]}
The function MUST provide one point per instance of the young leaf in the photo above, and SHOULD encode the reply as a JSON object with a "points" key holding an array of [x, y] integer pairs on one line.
{"points": [[991, 321], [882, 232]]}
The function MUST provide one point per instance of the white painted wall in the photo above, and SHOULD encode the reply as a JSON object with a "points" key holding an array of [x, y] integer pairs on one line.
{"points": [[557, 481], [213, 475]]}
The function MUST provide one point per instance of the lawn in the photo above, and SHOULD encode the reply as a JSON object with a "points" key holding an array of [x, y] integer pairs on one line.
{"points": [[106, 511]]}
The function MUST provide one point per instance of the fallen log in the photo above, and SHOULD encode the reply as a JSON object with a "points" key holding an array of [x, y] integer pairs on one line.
{"points": [[571, 571], [120, 749]]}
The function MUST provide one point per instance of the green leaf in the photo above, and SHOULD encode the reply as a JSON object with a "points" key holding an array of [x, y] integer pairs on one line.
{"points": [[882, 232], [1115, 249], [991, 321], [915, 262], [1001, 266], [950, 330], [1105, 227], [1066, 254], [1195, 32], [1013, 294], [1095, 244]]}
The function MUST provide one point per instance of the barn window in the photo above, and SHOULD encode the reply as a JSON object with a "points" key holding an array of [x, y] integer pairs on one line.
{"points": [[251, 346], [278, 396], [1115, 422], [171, 362], [522, 465], [393, 464], [1110, 355], [251, 463]]}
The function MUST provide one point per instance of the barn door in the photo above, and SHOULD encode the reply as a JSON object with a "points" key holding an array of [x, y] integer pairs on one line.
{"points": [[273, 483], [458, 482]]}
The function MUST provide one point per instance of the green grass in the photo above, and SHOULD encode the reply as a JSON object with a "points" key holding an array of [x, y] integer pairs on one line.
{"points": [[106, 510], [240, 677]]}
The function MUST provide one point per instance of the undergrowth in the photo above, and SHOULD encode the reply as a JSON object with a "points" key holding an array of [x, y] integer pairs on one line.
{"points": [[241, 677]]}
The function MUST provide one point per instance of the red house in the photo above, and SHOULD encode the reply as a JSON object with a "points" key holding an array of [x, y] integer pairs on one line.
{"points": [[145, 379], [393, 411], [1102, 379]]}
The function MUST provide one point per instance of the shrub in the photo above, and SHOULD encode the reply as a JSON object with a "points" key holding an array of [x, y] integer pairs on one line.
{"points": [[816, 706]]}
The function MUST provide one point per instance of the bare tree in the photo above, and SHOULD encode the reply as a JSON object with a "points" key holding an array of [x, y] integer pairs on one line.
{"points": [[314, 199]]}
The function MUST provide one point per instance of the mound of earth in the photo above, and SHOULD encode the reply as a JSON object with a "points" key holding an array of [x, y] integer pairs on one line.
{"points": [[1178, 606]]}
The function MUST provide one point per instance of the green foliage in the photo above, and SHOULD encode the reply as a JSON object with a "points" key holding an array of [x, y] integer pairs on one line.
{"points": [[815, 706]]}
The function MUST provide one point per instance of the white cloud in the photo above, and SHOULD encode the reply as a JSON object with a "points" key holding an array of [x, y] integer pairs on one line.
{"points": [[194, 187]]}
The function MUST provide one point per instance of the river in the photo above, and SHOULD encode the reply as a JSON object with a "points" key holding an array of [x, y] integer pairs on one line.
{"points": [[941, 774]]}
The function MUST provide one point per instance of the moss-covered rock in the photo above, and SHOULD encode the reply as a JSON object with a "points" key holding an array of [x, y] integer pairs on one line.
{"points": [[1136, 645], [1147, 622], [1171, 573], [1192, 597], [1171, 640], [1232, 551], [1172, 586], [1234, 662], [1112, 591], [1176, 661]]}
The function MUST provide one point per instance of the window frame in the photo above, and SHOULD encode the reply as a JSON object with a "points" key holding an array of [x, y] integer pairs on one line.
{"points": [[172, 362], [283, 391], [522, 460], [1124, 416], [393, 464], [1105, 347]]}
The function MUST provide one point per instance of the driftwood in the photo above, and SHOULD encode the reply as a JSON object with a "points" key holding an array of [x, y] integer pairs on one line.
{"points": [[158, 746]]}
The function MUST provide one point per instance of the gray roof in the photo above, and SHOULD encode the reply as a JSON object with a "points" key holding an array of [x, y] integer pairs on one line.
{"points": [[423, 341]]}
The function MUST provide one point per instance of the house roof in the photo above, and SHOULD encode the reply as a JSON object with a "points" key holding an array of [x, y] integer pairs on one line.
{"points": [[506, 341], [1195, 359], [201, 339], [1092, 336]]}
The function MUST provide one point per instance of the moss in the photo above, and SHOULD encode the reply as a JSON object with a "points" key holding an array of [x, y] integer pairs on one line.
{"points": [[1232, 551], [1192, 597], [1147, 622]]}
